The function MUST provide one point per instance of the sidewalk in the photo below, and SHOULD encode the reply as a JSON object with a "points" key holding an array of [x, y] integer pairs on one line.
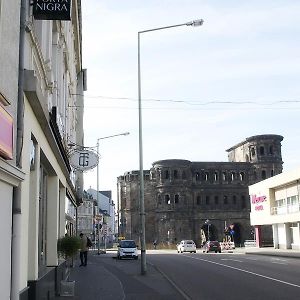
{"points": [[269, 251], [107, 278]]}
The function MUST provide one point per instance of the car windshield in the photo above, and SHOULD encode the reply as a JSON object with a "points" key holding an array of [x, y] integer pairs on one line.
{"points": [[127, 244], [189, 242]]}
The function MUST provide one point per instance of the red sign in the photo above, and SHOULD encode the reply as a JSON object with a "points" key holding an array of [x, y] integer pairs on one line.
{"points": [[258, 201], [6, 134]]}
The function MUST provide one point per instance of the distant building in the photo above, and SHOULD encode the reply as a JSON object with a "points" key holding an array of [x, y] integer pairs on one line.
{"points": [[106, 208], [275, 205], [85, 215], [199, 200]]}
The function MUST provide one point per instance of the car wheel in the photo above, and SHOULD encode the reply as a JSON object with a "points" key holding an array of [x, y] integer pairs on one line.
{"points": [[219, 251], [216, 251], [207, 251]]}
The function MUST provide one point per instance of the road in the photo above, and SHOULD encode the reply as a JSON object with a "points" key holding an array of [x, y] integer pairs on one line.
{"points": [[230, 276]]}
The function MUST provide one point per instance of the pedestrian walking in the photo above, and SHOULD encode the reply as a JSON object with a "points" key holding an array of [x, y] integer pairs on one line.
{"points": [[83, 250], [155, 244]]}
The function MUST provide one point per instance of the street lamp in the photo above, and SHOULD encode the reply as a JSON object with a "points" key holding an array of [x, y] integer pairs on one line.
{"points": [[142, 201], [102, 138], [207, 222]]}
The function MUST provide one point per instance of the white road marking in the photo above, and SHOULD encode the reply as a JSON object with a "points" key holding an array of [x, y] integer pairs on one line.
{"points": [[245, 271], [231, 259]]}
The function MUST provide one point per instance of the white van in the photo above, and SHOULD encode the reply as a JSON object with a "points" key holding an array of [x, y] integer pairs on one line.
{"points": [[127, 249]]}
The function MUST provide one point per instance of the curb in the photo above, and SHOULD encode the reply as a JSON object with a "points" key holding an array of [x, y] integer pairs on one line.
{"points": [[181, 292]]}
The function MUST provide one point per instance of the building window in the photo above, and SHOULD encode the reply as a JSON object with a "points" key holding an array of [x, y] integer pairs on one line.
{"points": [[216, 176], [197, 175], [272, 173], [175, 174], [263, 174], [232, 176], [234, 199], [261, 150], [159, 199], [198, 200], [252, 152], [243, 198], [167, 199], [271, 150], [42, 220], [207, 199], [242, 176], [167, 175], [225, 199], [206, 176], [183, 175], [224, 176], [216, 199], [176, 199]]}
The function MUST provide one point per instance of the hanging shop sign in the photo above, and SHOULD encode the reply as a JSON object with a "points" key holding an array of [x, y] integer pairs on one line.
{"points": [[52, 9], [6, 134], [83, 160]]}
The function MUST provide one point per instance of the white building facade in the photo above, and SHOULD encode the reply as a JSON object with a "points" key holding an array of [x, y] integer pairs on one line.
{"points": [[41, 102], [275, 202], [10, 172]]}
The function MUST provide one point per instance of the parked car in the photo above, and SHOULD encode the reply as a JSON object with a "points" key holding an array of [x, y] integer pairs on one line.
{"points": [[212, 246], [127, 249], [186, 246]]}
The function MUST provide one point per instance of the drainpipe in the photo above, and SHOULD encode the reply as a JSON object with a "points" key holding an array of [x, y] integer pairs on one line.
{"points": [[16, 206]]}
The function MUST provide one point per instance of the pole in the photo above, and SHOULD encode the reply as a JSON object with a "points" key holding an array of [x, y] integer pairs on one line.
{"points": [[142, 201], [98, 199]]}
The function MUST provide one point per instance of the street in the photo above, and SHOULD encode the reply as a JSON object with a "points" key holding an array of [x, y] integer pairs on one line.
{"points": [[189, 276], [231, 276]]}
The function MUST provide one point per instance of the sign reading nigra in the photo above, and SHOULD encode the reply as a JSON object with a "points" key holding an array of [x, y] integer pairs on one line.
{"points": [[52, 9]]}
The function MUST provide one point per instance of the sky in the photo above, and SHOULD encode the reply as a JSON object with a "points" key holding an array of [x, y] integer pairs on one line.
{"points": [[204, 89]]}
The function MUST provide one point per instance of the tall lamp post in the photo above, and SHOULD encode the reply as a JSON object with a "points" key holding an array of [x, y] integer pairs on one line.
{"points": [[207, 222], [102, 138], [142, 201]]}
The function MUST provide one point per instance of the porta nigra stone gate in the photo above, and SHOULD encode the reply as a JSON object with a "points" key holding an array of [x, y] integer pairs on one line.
{"points": [[199, 200]]}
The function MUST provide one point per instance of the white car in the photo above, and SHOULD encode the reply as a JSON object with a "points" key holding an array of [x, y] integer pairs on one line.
{"points": [[186, 246], [127, 249]]}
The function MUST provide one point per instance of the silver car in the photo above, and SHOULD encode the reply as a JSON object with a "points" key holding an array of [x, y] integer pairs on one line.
{"points": [[186, 246]]}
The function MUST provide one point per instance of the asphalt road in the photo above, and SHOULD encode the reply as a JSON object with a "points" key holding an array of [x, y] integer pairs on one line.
{"points": [[230, 276]]}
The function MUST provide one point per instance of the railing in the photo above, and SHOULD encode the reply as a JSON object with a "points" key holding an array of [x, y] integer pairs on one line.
{"points": [[286, 209]]}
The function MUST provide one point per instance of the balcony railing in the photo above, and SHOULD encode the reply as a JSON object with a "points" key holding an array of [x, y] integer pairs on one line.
{"points": [[285, 209]]}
